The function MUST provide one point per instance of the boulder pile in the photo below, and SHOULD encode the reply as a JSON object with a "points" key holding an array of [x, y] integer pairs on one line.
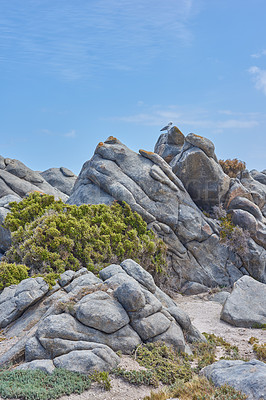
{"points": [[85, 320]]}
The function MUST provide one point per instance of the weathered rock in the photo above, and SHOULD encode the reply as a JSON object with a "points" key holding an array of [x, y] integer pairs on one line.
{"points": [[258, 176], [191, 288], [98, 310], [170, 144], [82, 328], [202, 176], [83, 281], [88, 361], [43, 365], [15, 299], [147, 183], [192, 334], [245, 306], [151, 326], [130, 296], [219, 297], [248, 377], [140, 274], [255, 188], [66, 277], [61, 178], [65, 326], [19, 180]]}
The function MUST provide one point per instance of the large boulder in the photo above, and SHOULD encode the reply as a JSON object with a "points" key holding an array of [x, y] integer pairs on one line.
{"points": [[197, 167], [247, 377], [17, 298], [61, 178], [170, 144], [147, 183], [245, 306], [85, 325], [17, 179]]}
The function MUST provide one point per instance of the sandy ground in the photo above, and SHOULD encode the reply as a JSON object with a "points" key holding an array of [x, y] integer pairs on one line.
{"points": [[204, 314]]}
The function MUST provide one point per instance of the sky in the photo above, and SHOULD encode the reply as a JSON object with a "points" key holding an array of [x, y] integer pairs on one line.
{"points": [[73, 72]]}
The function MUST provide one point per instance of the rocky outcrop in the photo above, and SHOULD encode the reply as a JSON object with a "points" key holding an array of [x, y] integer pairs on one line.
{"points": [[194, 161], [16, 181], [245, 306], [148, 184], [89, 319], [248, 377], [61, 178]]}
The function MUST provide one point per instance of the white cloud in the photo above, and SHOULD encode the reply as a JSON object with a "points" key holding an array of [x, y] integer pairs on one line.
{"points": [[259, 54], [70, 134], [259, 76], [194, 118]]}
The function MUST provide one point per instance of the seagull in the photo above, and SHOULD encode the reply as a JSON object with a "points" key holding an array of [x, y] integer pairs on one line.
{"points": [[167, 127]]}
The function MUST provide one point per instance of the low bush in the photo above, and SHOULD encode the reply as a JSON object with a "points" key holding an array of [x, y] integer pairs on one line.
{"points": [[38, 385], [12, 274], [232, 167], [142, 377], [49, 236], [260, 350], [167, 364]]}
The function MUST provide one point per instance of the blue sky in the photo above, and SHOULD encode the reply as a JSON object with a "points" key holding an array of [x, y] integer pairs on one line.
{"points": [[74, 72]]}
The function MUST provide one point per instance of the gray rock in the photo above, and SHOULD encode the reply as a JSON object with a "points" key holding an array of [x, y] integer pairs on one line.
{"points": [[248, 377], [82, 281], [5, 200], [170, 144], [183, 320], [192, 288], [151, 326], [258, 176], [5, 235], [61, 178], [88, 361], [219, 297], [202, 176], [130, 296], [66, 277], [43, 365], [202, 143], [98, 310], [173, 336], [164, 298], [65, 326], [140, 274], [109, 271], [14, 301], [245, 306], [246, 205], [35, 351]]}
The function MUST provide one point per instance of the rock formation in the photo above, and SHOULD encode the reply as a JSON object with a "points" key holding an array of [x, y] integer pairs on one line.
{"points": [[17, 180], [85, 320], [167, 202]]}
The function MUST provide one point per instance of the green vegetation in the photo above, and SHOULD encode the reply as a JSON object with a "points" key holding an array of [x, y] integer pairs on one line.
{"points": [[167, 364], [143, 377], [38, 385], [50, 237], [12, 274], [260, 350], [232, 167], [199, 388]]}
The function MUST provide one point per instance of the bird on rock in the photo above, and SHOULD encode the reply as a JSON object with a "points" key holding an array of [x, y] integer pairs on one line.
{"points": [[167, 127]]}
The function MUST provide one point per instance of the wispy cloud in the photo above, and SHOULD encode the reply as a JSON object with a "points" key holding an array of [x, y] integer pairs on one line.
{"points": [[194, 118], [259, 77], [47, 132], [259, 54], [78, 38], [70, 134]]}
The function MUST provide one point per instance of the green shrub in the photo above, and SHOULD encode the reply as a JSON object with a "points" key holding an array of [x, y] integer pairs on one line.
{"points": [[142, 377], [260, 350], [50, 236], [38, 385], [167, 364], [12, 274], [232, 167], [199, 388]]}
